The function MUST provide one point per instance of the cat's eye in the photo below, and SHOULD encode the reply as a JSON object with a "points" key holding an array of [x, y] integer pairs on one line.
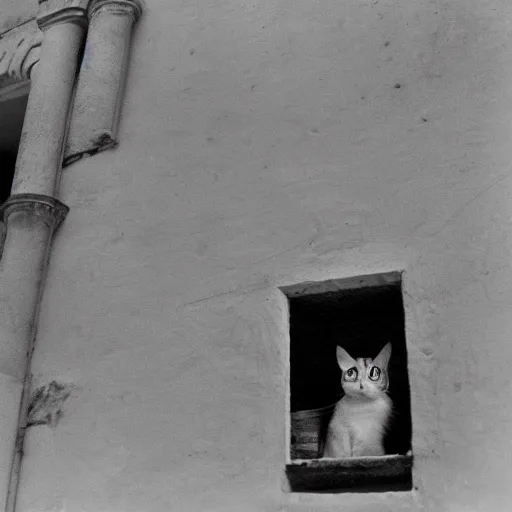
{"points": [[351, 374], [374, 373]]}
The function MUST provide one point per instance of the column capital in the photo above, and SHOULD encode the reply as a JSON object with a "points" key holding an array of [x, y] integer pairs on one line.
{"points": [[20, 49], [132, 7], [48, 207], [53, 12]]}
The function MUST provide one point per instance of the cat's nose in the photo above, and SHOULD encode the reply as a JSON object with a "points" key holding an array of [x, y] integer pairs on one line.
{"points": [[360, 384]]}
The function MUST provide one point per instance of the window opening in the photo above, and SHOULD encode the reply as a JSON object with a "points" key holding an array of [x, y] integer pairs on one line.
{"points": [[364, 316], [12, 113]]}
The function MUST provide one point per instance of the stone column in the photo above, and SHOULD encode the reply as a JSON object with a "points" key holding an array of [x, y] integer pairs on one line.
{"points": [[31, 216], [40, 152], [102, 77], [31, 220]]}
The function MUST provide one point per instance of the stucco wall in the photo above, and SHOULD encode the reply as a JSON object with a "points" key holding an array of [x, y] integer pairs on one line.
{"points": [[266, 143]]}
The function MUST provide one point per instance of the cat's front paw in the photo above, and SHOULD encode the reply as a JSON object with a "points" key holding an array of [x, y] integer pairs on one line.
{"points": [[335, 452], [369, 451]]}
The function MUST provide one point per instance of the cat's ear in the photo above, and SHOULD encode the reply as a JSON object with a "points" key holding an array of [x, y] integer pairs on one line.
{"points": [[382, 359], [345, 361]]}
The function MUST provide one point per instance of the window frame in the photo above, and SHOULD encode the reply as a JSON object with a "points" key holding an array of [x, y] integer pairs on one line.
{"points": [[386, 473]]}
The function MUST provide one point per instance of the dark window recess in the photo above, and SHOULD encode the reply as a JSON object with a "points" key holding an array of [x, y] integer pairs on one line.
{"points": [[12, 113], [7, 163], [361, 314]]}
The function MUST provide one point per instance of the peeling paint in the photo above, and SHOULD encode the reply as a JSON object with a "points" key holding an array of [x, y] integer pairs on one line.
{"points": [[46, 402]]}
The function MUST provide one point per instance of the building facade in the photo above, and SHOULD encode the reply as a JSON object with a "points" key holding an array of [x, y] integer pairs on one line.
{"points": [[182, 164]]}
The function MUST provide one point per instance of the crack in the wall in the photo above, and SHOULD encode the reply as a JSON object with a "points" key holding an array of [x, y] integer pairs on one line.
{"points": [[17, 25], [461, 208]]}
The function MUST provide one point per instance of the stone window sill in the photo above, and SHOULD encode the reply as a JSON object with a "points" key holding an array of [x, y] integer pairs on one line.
{"points": [[358, 474]]}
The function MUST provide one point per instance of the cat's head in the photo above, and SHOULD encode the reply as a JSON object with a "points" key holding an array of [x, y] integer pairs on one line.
{"points": [[364, 377]]}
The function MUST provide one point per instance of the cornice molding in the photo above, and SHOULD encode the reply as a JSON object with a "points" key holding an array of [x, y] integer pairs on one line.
{"points": [[132, 7], [51, 209], [52, 12], [20, 49]]}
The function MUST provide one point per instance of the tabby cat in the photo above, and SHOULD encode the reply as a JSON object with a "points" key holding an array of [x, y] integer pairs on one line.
{"points": [[361, 417]]}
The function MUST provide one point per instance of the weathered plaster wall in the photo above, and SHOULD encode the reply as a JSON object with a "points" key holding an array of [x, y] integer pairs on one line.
{"points": [[266, 143]]}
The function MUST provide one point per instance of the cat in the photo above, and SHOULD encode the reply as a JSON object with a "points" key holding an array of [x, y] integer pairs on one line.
{"points": [[361, 417]]}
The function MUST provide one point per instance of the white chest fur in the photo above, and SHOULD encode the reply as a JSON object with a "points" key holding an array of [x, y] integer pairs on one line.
{"points": [[357, 427]]}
